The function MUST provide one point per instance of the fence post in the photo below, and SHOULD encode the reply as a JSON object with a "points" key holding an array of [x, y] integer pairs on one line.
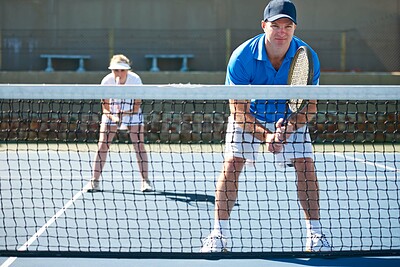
{"points": [[110, 43], [1, 48], [228, 44], [343, 52]]}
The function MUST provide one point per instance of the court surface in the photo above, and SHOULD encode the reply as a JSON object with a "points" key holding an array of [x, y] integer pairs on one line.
{"points": [[342, 262], [358, 196]]}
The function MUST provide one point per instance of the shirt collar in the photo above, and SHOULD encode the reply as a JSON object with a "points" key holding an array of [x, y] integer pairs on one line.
{"points": [[261, 53]]}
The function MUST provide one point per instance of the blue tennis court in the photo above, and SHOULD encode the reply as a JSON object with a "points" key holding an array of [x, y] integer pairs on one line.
{"points": [[45, 206]]}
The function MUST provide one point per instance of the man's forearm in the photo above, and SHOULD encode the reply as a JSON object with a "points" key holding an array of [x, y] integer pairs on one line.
{"points": [[305, 115], [251, 126]]}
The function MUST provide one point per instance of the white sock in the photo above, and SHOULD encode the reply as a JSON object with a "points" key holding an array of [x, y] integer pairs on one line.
{"points": [[221, 226], [313, 227]]}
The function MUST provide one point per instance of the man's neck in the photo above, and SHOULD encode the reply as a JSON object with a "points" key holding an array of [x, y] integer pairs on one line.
{"points": [[276, 54]]}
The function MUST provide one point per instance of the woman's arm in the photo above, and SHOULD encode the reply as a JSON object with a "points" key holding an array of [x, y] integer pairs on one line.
{"points": [[107, 111]]}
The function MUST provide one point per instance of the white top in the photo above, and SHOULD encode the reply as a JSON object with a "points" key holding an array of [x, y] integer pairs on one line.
{"points": [[118, 105]]}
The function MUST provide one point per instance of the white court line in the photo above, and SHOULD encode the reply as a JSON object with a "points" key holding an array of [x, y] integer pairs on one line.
{"points": [[366, 162], [33, 238]]}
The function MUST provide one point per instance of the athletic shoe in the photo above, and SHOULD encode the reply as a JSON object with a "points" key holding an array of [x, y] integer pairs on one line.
{"points": [[317, 243], [215, 242], [94, 186], [146, 186]]}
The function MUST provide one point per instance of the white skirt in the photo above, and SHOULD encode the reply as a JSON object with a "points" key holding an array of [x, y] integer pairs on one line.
{"points": [[128, 120]]}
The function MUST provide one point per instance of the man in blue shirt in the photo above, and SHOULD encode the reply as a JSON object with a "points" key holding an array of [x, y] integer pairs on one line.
{"points": [[265, 60]]}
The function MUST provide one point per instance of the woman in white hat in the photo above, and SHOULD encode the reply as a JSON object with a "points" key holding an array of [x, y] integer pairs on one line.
{"points": [[123, 114]]}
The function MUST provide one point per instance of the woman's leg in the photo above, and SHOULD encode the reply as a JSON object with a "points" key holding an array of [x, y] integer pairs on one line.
{"points": [[136, 133], [107, 133]]}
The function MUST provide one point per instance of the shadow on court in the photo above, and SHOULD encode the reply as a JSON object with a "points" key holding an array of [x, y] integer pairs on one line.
{"points": [[192, 199], [188, 198]]}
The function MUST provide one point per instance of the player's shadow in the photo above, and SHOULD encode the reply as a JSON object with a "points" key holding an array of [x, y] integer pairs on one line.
{"points": [[188, 198], [193, 199]]}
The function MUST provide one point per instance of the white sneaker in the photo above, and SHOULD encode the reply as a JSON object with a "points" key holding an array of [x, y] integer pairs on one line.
{"points": [[318, 243], [215, 242], [94, 186], [146, 186]]}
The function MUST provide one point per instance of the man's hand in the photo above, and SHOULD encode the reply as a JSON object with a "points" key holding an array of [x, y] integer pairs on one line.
{"points": [[116, 119], [277, 140], [274, 145], [284, 130]]}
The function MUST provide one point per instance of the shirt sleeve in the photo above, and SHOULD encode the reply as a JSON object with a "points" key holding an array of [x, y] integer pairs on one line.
{"points": [[109, 79], [133, 79], [237, 73]]}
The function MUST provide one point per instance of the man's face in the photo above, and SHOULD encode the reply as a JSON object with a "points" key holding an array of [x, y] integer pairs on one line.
{"points": [[279, 33]]}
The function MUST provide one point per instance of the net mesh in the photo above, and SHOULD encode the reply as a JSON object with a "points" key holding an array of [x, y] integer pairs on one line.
{"points": [[49, 137]]}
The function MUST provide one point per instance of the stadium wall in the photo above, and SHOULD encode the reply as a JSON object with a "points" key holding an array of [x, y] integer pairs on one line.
{"points": [[357, 35]]}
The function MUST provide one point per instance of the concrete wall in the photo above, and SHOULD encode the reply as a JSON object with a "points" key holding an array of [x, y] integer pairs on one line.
{"points": [[349, 35], [183, 14]]}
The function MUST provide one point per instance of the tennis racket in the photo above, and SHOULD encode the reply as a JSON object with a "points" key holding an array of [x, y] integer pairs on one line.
{"points": [[301, 72]]}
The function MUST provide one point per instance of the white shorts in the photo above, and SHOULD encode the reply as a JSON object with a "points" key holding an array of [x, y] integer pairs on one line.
{"points": [[244, 145], [130, 120]]}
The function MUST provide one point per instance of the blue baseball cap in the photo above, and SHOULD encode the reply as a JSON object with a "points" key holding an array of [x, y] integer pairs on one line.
{"points": [[277, 9]]}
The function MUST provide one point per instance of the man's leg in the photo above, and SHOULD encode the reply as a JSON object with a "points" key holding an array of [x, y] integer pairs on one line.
{"points": [[307, 187], [225, 197], [239, 147], [308, 193], [227, 187]]}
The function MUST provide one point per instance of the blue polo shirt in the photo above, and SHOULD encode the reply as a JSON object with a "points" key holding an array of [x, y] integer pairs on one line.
{"points": [[249, 64]]}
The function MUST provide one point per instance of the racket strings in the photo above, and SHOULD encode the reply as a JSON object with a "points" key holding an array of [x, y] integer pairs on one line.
{"points": [[300, 75], [300, 70], [295, 104]]}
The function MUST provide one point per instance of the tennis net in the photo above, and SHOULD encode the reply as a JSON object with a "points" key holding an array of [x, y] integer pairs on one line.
{"points": [[49, 138]]}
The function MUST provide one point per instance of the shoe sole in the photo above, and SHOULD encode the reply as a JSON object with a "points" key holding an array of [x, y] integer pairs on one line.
{"points": [[224, 250], [147, 190], [321, 250], [93, 190]]}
